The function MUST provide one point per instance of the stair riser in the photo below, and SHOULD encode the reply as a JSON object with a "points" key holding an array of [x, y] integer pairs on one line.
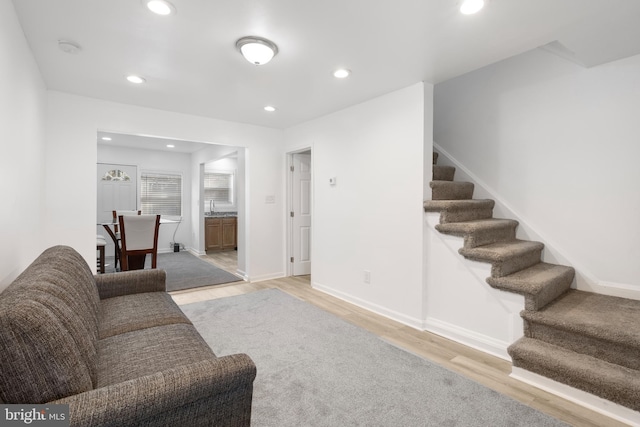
{"points": [[465, 215], [462, 194], [504, 268], [535, 302], [487, 237], [443, 173], [451, 190], [619, 354], [594, 386], [507, 266], [482, 237]]}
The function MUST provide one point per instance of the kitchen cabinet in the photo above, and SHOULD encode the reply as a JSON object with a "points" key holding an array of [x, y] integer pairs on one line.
{"points": [[220, 234]]}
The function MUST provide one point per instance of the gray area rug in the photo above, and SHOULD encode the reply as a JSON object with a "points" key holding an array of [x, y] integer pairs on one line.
{"points": [[185, 271], [315, 369]]}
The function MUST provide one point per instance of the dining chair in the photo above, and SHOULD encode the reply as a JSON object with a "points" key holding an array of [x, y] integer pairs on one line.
{"points": [[139, 237], [116, 230], [101, 243]]}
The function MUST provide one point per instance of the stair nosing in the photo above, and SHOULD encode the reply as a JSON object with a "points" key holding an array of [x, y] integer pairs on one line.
{"points": [[558, 348], [606, 372], [482, 224], [539, 285], [543, 317], [484, 252]]}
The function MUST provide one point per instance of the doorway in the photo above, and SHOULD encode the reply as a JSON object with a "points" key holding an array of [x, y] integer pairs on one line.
{"points": [[300, 213]]}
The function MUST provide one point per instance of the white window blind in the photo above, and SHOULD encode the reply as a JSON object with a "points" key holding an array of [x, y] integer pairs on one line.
{"points": [[218, 187], [161, 193]]}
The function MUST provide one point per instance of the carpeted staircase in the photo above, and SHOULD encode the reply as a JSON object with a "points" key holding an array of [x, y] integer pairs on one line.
{"points": [[585, 340]]}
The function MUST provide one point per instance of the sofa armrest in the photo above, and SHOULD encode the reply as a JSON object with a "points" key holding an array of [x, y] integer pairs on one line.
{"points": [[216, 391], [130, 282]]}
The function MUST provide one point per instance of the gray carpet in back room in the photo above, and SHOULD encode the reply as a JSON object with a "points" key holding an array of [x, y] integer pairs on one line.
{"points": [[185, 271], [315, 369]]}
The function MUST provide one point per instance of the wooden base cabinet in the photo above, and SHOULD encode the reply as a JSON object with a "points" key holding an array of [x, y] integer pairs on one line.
{"points": [[220, 234]]}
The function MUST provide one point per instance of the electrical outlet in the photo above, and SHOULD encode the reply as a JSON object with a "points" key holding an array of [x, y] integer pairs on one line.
{"points": [[367, 276]]}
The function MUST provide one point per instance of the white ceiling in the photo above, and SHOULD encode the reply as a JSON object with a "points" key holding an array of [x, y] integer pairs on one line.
{"points": [[143, 142], [191, 64]]}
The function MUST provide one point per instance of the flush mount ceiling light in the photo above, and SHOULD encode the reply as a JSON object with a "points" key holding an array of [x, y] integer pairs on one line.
{"points": [[135, 79], [160, 7], [171, 146], [270, 108], [342, 73], [68, 46], [469, 7], [257, 50], [105, 138]]}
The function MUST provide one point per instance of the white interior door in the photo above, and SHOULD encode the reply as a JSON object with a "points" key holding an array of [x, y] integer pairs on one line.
{"points": [[301, 208], [117, 190]]}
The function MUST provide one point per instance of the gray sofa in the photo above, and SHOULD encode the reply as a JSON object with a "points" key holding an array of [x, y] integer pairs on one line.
{"points": [[115, 347]]}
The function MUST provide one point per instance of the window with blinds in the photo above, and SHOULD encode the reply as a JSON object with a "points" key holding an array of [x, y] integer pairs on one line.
{"points": [[161, 193], [218, 186]]}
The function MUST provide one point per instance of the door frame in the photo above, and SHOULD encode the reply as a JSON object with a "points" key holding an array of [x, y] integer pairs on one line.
{"points": [[289, 206]]}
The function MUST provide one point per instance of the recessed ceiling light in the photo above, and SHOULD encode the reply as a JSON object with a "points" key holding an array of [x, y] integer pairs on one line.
{"points": [[160, 7], [469, 7], [171, 146], [341, 73], [136, 79], [257, 50], [106, 138], [270, 108], [69, 47]]}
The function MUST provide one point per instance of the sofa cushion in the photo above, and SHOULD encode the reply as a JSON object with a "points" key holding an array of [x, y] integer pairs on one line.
{"points": [[138, 311], [147, 351], [49, 329], [39, 358]]}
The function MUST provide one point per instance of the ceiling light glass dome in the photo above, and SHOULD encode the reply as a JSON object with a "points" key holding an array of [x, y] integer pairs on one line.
{"points": [[257, 50]]}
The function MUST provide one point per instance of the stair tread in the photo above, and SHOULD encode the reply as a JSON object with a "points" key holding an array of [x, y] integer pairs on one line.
{"points": [[502, 250], [457, 205], [608, 318], [534, 279], [608, 380], [476, 225]]}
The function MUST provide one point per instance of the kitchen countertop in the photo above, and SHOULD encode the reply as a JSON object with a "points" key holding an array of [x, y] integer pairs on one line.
{"points": [[220, 214]]}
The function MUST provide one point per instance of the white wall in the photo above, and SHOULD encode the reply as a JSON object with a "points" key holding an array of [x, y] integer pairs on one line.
{"points": [[372, 219], [22, 165], [198, 160], [557, 144], [70, 200], [156, 161]]}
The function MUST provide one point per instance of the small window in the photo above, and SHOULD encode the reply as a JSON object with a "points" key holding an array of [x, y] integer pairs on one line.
{"points": [[218, 186], [116, 175], [161, 193]]}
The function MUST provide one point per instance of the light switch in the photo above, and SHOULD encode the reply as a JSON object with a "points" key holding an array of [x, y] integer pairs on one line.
{"points": [[270, 199], [333, 180]]}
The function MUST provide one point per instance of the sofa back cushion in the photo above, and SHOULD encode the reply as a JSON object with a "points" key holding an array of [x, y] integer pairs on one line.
{"points": [[49, 329]]}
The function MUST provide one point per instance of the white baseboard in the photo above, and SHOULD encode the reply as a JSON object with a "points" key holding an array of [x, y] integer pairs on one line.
{"points": [[621, 290], [393, 315], [469, 338], [582, 398], [243, 275], [262, 277]]}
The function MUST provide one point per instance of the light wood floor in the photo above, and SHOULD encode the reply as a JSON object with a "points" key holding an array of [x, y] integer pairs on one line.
{"points": [[478, 366]]}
